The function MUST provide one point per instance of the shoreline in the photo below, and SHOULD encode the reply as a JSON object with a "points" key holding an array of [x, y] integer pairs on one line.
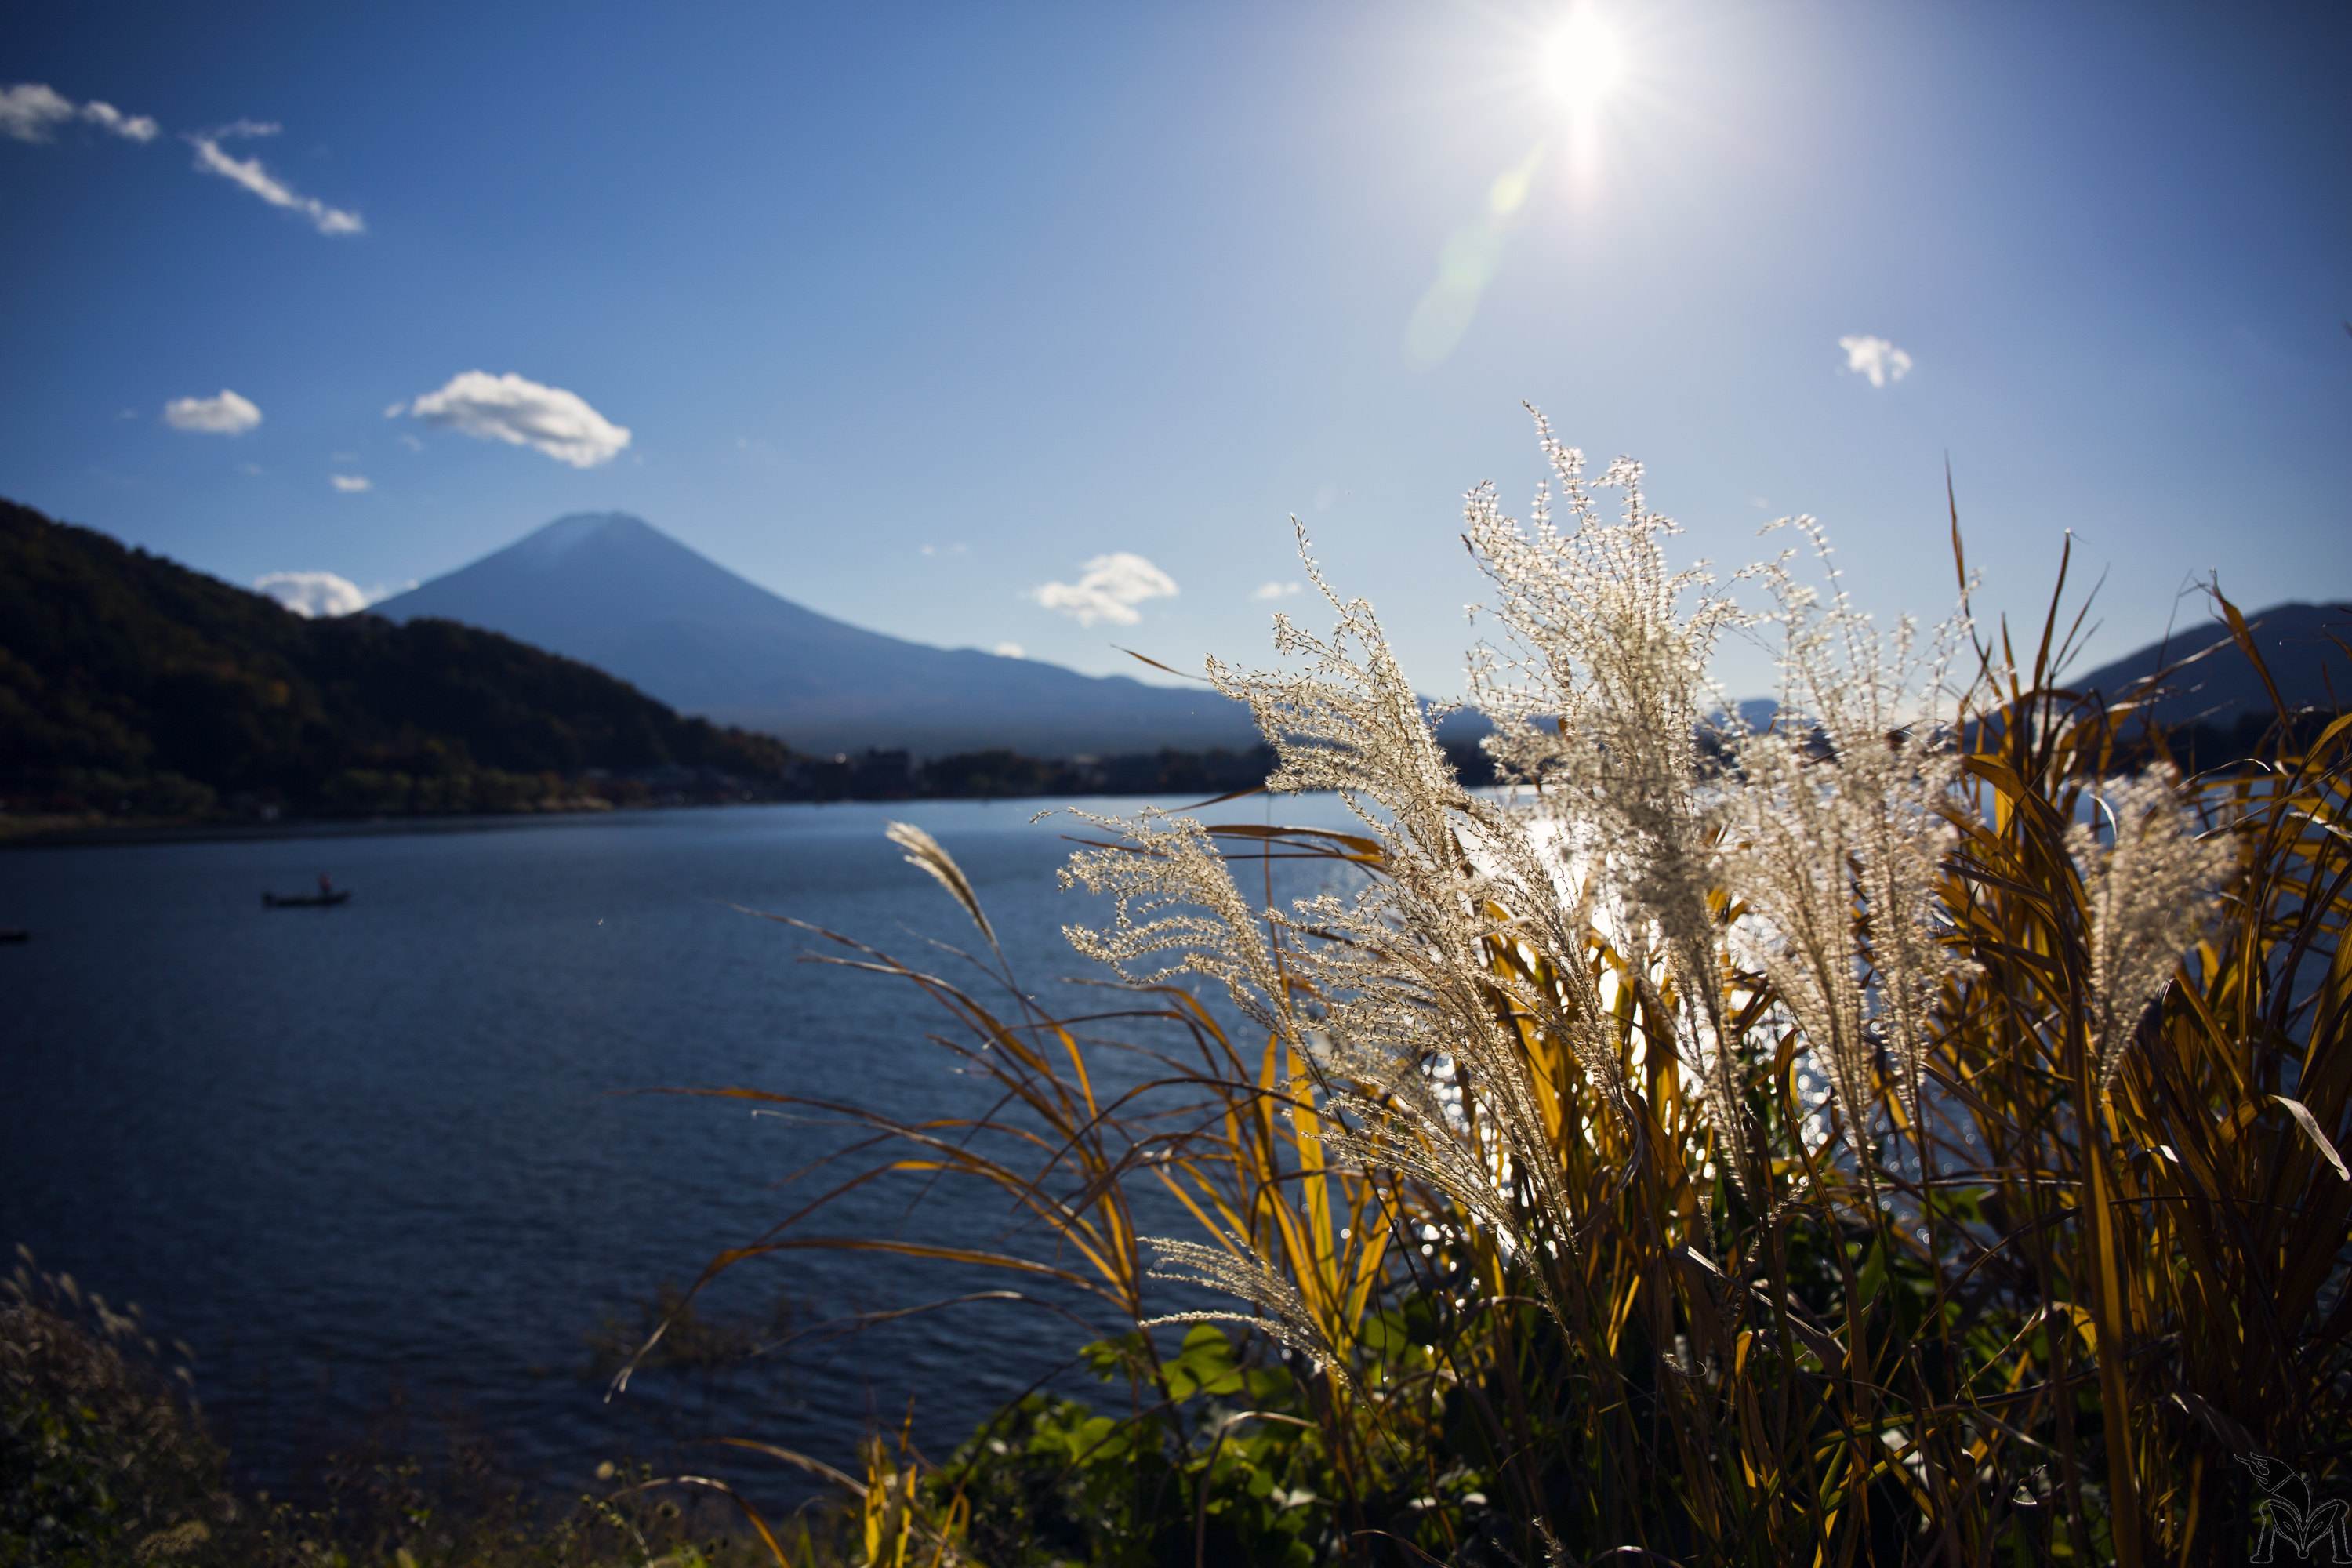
{"points": [[104, 836]]}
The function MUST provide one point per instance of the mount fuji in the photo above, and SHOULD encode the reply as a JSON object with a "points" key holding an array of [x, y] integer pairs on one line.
{"points": [[615, 592]]}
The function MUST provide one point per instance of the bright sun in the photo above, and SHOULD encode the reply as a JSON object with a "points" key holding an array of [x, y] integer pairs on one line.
{"points": [[1583, 60]]}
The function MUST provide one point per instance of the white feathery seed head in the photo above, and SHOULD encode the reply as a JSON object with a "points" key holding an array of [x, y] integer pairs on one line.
{"points": [[1597, 693], [1841, 833], [2148, 881], [1236, 1269]]}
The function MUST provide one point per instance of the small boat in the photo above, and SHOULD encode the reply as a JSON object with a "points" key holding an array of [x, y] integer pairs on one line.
{"points": [[306, 901], [14, 933]]}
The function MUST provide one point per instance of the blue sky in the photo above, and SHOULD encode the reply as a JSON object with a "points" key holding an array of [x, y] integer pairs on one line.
{"points": [[908, 313]]}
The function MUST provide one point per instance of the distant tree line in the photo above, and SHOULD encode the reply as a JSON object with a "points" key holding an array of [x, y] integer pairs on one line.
{"points": [[1001, 774]]}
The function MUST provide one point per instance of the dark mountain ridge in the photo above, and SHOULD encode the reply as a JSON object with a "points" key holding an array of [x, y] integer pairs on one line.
{"points": [[615, 592], [2216, 686], [122, 670]]}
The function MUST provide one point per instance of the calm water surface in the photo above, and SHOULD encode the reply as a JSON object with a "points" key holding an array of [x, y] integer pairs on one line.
{"points": [[385, 1151]]}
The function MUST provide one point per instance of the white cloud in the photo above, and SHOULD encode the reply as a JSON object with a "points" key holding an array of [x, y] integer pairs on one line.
{"points": [[524, 413], [1109, 590], [248, 173], [1276, 590], [411, 442], [31, 110], [253, 470], [350, 484], [945, 548], [394, 410], [1009, 650], [1875, 358], [314, 594], [129, 127], [227, 415]]}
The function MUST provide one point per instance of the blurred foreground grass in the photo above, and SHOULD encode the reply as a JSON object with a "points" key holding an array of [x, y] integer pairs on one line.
{"points": [[105, 1462]]}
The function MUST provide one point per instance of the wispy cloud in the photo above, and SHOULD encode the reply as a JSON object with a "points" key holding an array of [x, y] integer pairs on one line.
{"points": [[763, 452], [350, 484], [1108, 589], [1276, 590], [522, 412], [1875, 358], [249, 173], [226, 414], [945, 548], [1009, 650], [31, 110]]}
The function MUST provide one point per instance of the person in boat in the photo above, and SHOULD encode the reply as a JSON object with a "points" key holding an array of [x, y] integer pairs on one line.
{"points": [[326, 885]]}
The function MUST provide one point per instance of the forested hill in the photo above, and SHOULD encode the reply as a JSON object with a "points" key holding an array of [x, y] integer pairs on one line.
{"points": [[127, 679]]}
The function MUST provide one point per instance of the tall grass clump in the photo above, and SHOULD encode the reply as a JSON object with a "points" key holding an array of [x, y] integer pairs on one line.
{"points": [[1907, 1132]]}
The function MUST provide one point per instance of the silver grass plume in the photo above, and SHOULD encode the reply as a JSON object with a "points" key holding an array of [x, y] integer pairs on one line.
{"points": [[1423, 1071], [1427, 1069], [923, 852], [1597, 699], [1236, 1269], [1175, 896], [1840, 834], [2145, 897]]}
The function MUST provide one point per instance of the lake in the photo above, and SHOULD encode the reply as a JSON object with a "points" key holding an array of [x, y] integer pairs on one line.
{"points": [[385, 1152]]}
